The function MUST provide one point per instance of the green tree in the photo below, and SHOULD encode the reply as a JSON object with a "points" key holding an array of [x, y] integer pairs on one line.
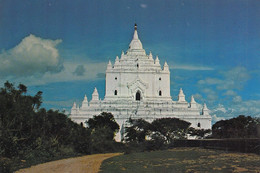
{"points": [[28, 132], [198, 133], [103, 129], [239, 127], [104, 120], [17, 111], [137, 131], [170, 128]]}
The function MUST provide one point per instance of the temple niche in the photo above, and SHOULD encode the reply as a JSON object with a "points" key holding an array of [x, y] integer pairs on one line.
{"points": [[138, 87]]}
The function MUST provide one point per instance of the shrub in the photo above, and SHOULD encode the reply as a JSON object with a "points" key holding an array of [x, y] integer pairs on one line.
{"points": [[5, 165]]}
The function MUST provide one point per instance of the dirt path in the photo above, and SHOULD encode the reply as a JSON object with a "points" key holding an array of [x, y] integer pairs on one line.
{"points": [[89, 164]]}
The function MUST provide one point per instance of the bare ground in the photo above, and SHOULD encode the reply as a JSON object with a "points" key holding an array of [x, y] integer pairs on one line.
{"points": [[90, 164]]}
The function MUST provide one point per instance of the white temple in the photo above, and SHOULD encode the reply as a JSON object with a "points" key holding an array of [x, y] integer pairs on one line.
{"points": [[137, 87]]}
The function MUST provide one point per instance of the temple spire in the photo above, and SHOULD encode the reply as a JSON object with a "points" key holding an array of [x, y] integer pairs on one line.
{"points": [[135, 37], [181, 96], [150, 55], [135, 43], [192, 99], [74, 108], [205, 110], [74, 105], [193, 103], [117, 59], [157, 61], [109, 65], [165, 66], [116, 62], [85, 102], [95, 95]]}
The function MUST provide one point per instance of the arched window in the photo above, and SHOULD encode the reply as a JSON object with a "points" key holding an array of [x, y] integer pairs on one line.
{"points": [[115, 92], [160, 78], [137, 65], [198, 124], [138, 96], [160, 93], [115, 78]]}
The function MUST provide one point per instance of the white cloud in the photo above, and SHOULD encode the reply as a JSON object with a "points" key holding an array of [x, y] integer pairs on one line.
{"points": [[237, 99], [143, 5], [33, 56], [216, 118], [80, 70], [231, 81], [230, 93], [190, 67], [221, 108], [101, 75], [197, 96], [211, 94], [36, 61], [92, 70], [237, 74], [67, 103], [220, 112], [232, 104], [249, 107], [210, 81], [234, 78]]}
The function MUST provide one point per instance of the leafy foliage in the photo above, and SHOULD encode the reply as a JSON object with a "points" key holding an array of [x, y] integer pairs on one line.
{"points": [[138, 130], [171, 128], [28, 132], [104, 120], [142, 135], [239, 127], [103, 129], [199, 133]]}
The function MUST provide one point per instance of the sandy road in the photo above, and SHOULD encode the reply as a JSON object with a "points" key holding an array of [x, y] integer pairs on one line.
{"points": [[85, 164]]}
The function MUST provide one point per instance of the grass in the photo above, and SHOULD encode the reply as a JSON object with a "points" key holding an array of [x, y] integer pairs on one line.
{"points": [[188, 160]]}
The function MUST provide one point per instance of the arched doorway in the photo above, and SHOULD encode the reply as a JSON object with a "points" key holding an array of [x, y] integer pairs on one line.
{"points": [[138, 96]]}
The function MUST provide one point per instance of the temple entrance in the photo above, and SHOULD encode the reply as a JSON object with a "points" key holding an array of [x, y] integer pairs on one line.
{"points": [[138, 96]]}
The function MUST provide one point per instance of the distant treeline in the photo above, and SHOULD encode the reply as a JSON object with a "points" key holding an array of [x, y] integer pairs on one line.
{"points": [[239, 127], [166, 133], [30, 134]]}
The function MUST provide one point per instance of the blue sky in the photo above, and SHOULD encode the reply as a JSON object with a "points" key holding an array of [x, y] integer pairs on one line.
{"points": [[61, 47]]}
